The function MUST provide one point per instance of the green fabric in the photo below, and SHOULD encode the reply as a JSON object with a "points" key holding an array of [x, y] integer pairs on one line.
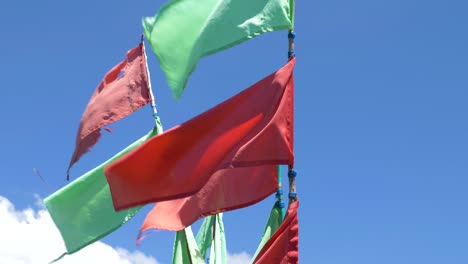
{"points": [[205, 235], [273, 224], [188, 250], [292, 9], [184, 31], [218, 254], [185, 248], [83, 210]]}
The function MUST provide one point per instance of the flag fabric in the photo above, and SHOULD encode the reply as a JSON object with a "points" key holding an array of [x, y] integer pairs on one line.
{"points": [[188, 250], [274, 222], [212, 236], [185, 248], [283, 246], [124, 90], [83, 210], [225, 190], [183, 31], [252, 129]]}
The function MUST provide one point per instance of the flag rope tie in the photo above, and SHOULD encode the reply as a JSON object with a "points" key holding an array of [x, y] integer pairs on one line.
{"points": [[279, 193], [279, 196], [292, 174]]}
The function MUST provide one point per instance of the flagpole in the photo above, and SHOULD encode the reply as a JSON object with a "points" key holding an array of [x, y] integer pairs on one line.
{"points": [[279, 194], [291, 54], [292, 185], [153, 102], [291, 173], [291, 37]]}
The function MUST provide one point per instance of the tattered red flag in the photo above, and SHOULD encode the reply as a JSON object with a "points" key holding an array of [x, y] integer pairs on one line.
{"points": [[251, 129], [124, 90], [283, 246]]}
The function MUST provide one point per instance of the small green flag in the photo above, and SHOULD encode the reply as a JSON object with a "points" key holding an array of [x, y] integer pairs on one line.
{"points": [[185, 248], [83, 210], [184, 31], [273, 223], [188, 250]]}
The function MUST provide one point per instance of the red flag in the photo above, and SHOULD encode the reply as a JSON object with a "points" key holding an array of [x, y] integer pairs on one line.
{"points": [[123, 91], [251, 129], [227, 189], [283, 246]]}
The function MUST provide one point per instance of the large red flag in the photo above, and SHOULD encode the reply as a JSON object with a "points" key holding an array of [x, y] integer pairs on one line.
{"points": [[227, 189], [251, 129], [283, 246], [123, 90]]}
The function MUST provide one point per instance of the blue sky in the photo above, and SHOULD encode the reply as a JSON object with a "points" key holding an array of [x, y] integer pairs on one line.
{"points": [[381, 131]]}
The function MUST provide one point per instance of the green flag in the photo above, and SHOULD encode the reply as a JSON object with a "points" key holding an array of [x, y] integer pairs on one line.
{"points": [[273, 223], [184, 31], [211, 235], [188, 250], [185, 248], [83, 210]]}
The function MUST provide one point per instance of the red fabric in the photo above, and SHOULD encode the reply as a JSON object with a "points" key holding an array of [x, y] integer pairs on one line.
{"points": [[227, 189], [253, 128], [283, 246], [123, 91]]}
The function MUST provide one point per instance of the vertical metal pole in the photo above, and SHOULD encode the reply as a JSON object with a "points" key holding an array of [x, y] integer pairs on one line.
{"points": [[291, 54], [153, 102], [291, 46], [279, 194], [292, 185]]}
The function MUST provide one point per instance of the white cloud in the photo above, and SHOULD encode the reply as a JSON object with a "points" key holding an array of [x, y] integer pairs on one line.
{"points": [[238, 258], [29, 237]]}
